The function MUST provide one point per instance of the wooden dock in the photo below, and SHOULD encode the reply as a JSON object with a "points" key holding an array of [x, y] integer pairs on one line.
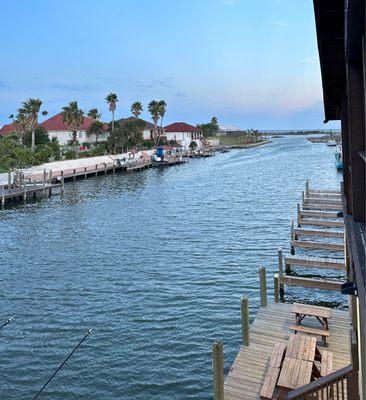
{"points": [[21, 193], [271, 325]]}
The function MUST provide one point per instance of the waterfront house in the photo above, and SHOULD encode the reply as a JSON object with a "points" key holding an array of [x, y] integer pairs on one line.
{"points": [[184, 134], [55, 127], [8, 128], [148, 133]]}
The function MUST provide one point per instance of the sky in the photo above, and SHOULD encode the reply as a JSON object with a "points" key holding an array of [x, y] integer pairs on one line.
{"points": [[252, 64]]}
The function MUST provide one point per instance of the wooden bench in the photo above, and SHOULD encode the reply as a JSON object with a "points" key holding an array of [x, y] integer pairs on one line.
{"points": [[326, 366], [311, 331], [270, 381], [269, 384]]}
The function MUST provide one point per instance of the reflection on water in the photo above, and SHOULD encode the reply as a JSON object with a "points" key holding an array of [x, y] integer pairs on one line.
{"points": [[156, 262]]}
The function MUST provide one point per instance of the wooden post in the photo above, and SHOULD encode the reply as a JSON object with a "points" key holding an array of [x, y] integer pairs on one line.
{"points": [[280, 274], [62, 182], [74, 174], [218, 370], [263, 286], [50, 176], [307, 186], [2, 196], [24, 188], [9, 179], [44, 181], [96, 170], [303, 197], [105, 168], [245, 327], [298, 215], [85, 168], [292, 230], [276, 288]]}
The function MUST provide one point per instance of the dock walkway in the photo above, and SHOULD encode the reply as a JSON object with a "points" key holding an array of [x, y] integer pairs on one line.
{"points": [[270, 326]]}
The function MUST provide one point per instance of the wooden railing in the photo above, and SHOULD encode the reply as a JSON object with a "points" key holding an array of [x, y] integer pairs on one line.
{"points": [[338, 385]]}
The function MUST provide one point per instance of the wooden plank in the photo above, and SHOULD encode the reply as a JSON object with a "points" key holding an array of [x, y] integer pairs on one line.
{"points": [[277, 355], [320, 214], [269, 383], [315, 311], [313, 206], [326, 366], [317, 262], [323, 284], [318, 232], [317, 245], [318, 200], [309, 330], [321, 222], [324, 191]]}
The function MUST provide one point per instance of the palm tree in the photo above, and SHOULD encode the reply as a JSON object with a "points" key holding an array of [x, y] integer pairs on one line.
{"points": [[136, 108], [94, 114], [73, 117], [31, 109], [112, 101], [162, 110], [96, 128], [154, 110], [21, 123]]}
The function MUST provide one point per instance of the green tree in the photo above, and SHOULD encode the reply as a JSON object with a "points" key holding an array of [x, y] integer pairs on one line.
{"points": [[193, 145], [112, 101], [133, 131], [94, 114], [40, 137], [21, 124], [95, 128], [154, 110], [73, 117], [31, 109], [209, 129], [162, 110], [13, 154], [136, 109]]}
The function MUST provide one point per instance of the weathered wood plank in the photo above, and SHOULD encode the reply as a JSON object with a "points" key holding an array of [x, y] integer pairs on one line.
{"points": [[320, 222], [318, 232], [317, 262], [320, 214], [323, 284], [317, 245]]}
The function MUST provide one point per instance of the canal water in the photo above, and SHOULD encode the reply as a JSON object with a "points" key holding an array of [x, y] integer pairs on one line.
{"points": [[156, 263]]}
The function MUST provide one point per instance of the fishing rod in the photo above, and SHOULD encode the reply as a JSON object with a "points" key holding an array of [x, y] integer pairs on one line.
{"points": [[6, 323], [63, 363]]}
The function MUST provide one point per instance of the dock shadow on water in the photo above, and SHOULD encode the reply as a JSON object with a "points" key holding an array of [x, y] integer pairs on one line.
{"points": [[156, 263]]}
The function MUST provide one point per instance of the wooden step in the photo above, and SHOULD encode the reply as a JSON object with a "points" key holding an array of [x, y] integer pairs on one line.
{"points": [[317, 200], [317, 245], [320, 222], [320, 214], [312, 206], [334, 196], [322, 284], [318, 232], [324, 191], [316, 262]]}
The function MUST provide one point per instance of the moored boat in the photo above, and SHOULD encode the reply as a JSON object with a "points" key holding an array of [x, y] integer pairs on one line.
{"points": [[338, 159]]}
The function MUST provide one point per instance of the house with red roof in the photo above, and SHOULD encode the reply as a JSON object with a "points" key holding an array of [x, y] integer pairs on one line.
{"points": [[184, 134], [8, 128], [55, 127]]}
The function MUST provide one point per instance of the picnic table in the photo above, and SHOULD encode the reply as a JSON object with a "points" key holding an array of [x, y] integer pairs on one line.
{"points": [[292, 365], [322, 314]]}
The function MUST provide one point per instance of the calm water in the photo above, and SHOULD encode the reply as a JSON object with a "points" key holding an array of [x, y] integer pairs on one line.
{"points": [[156, 263]]}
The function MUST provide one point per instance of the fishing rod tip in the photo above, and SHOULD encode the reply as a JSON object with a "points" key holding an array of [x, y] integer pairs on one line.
{"points": [[89, 331]]}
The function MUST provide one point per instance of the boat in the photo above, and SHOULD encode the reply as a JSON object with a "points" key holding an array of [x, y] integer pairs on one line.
{"points": [[338, 158], [225, 149], [331, 143]]}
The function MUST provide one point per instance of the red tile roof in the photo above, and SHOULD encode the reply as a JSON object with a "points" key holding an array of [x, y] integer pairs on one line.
{"points": [[181, 127], [55, 123], [8, 128]]}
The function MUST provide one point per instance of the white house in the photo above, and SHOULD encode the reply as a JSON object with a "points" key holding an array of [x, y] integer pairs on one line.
{"points": [[55, 127], [148, 133], [184, 134]]}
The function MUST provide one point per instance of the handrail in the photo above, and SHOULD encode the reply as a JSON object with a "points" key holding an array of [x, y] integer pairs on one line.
{"points": [[321, 383]]}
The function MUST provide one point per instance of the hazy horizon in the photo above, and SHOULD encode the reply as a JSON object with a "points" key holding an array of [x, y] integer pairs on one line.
{"points": [[250, 65]]}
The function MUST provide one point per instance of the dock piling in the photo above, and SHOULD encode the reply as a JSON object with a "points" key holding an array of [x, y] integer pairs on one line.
{"points": [[2, 196], [245, 327], [50, 176], [44, 181], [303, 197], [24, 188], [62, 182], [263, 286], [307, 186], [276, 288], [280, 274], [298, 215], [218, 370], [96, 170], [9, 179]]}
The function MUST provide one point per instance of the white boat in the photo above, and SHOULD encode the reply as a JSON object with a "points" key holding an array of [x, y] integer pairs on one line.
{"points": [[331, 143]]}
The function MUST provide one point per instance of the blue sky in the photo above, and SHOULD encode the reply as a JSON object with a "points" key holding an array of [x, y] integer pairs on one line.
{"points": [[253, 64]]}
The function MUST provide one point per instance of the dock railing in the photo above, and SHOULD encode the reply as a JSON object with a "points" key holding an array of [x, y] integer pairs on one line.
{"points": [[335, 386]]}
